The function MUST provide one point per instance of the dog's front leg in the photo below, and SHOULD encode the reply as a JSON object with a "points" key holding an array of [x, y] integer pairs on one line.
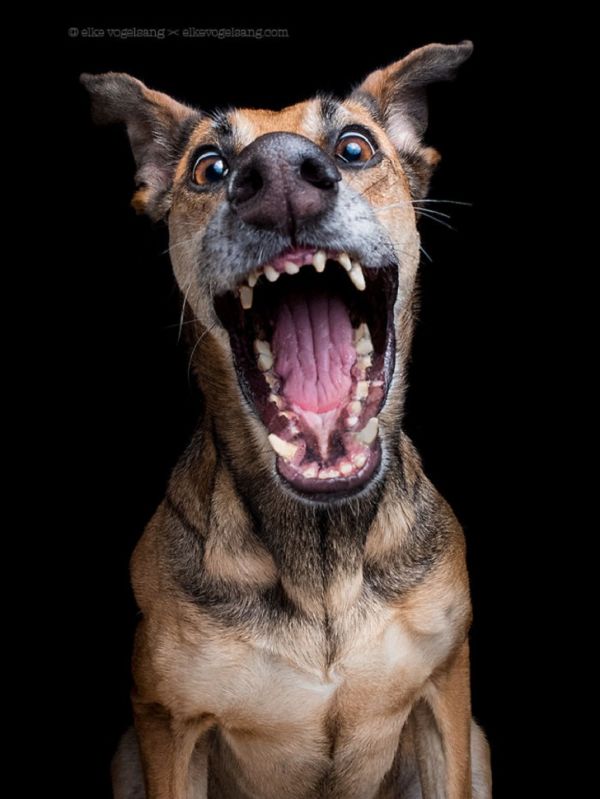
{"points": [[443, 733], [167, 747]]}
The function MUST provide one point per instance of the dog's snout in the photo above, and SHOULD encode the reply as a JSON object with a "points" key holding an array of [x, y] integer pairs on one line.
{"points": [[282, 179]]}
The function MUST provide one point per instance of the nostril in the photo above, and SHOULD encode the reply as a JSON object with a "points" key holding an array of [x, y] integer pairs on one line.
{"points": [[246, 185], [319, 173]]}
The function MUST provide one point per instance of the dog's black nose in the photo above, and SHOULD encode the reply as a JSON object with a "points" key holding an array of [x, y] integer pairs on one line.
{"points": [[282, 179]]}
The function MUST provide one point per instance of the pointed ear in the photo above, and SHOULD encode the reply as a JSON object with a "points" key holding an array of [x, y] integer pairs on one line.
{"points": [[399, 93], [157, 127]]}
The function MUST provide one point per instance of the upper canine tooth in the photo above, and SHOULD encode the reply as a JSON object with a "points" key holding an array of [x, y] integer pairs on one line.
{"points": [[291, 268], [319, 260], [271, 273], [357, 277], [265, 361], [246, 297], [252, 279], [283, 448], [369, 432], [344, 260]]}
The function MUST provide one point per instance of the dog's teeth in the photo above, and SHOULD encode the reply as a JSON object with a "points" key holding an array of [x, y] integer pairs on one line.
{"points": [[364, 362], [354, 408], [261, 346], [283, 448], [359, 460], [362, 339], [265, 361], [246, 297], [344, 260], [351, 421], [357, 277], [311, 471], [252, 279], [369, 432], [271, 273], [346, 468], [362, 390], [324, 474], [275, 398], [362, 331], [291, 268], [319, 260]]}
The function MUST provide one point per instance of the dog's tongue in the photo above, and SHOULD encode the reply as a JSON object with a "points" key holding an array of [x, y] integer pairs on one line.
{"points": [[314, 353]]}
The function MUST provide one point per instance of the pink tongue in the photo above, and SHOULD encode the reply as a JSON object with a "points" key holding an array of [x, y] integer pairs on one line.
{"points": [[314, 352]]}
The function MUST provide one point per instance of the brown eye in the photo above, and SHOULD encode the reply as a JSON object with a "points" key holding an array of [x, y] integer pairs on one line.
{"points": [[209, 168], [354, 148]]}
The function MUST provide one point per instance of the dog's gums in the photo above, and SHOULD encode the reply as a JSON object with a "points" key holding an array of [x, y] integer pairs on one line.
{"points": [[312, 336]]}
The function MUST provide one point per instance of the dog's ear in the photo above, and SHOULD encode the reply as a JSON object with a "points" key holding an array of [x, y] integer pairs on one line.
{"points": [[400, 94], [156, 125]]}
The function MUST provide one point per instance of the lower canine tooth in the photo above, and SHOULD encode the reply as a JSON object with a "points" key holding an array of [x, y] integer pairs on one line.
{"points": [[246, 297], [319, 260], [291, 268], [265, 361], [357, 277], [271, 273], [344, 260], [281, 447], [369, 432]]}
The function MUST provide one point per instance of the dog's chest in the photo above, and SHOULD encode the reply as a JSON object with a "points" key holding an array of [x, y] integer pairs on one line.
{"points": [[293, 709]]}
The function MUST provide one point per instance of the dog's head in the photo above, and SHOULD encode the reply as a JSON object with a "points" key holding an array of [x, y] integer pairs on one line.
{"points": [[294, 242]]}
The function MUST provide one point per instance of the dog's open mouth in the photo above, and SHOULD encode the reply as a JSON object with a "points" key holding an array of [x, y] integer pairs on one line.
{"points": [[312, 336]]}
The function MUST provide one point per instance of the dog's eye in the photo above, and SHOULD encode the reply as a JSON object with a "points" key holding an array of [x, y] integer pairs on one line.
{"points": [[354, 148], [210, 167]]}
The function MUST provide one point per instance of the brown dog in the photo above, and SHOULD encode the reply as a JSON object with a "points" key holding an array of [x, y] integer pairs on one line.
{"points": [[304, 597]]}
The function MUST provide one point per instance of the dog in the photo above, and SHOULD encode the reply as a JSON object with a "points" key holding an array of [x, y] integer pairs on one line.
{"points": [[303, 590]]}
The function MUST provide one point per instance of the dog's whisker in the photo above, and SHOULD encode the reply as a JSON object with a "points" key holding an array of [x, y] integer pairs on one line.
{"points": [[416, 205], [180, 243], [425, 253], [432, 211], [183, 305], [445, 224], [198, 340], [177, 324], [448, 202]]}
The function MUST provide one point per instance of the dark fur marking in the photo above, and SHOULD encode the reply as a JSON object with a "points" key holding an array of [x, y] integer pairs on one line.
{"points": [[371, 104]]}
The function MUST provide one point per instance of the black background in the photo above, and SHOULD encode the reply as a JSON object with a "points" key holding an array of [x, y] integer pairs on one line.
{"points": [[121, 378]]}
